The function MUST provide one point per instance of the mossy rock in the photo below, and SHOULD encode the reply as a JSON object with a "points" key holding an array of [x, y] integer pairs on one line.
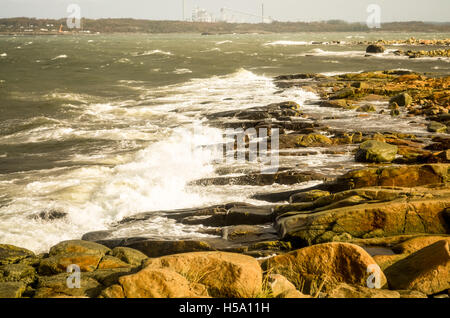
{"points": [[10, 254], [376, 151]]}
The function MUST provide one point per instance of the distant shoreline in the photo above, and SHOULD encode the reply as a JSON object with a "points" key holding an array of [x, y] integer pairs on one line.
{"points": [[92, 26]]}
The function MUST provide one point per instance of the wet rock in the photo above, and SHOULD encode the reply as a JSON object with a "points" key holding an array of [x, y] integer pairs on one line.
{"points": [[260, 179], [223, 274], [376, 151], [320, 267], [155, 248], [366, 109], [309, 196], [310, 140], [338, 103], [111, 262], [426, 270], [10, 254], [375, 48], [343, 93], [114, 291], [50, 215], [403, 99], [437, 127], [108, 277]]}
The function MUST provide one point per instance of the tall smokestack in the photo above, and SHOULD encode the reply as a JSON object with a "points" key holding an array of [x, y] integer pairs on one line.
{"points": [[262, 12]]}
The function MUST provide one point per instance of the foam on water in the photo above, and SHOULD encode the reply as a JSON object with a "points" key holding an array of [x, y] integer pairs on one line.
{"points": [[151, 179]]}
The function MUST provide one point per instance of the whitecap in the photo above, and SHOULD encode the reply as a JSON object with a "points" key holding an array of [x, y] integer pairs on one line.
{"points": [[287, 43], [3, 55], [62, 56], [182, 71]]}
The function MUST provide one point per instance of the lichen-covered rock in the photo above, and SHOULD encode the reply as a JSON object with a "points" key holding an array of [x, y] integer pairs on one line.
{"points": [[78, 247], [10, 254], [110, 262], [223, 274], [58, 286], [320, 267], [129, 255], [415, 244], [427, 270], [398, 217], [17, 273], [403, 99], [376, 151], [59, 263], [437, 127]]}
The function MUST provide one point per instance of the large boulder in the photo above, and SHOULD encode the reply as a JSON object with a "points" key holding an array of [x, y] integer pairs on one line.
{"points": [[129, 255], [375, 48], [376, 151], [426, 270], [223, 274], [281, 287], [158, 283], [401, 216], [17, 273], [321, 267], [392, 176], [417, 243], [87, 255], [403, 99]]}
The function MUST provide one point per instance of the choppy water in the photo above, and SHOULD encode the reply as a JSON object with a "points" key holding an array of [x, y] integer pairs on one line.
{"points": [[100, 127]]}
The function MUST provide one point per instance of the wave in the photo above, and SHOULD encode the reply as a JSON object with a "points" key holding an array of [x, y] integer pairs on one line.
{"points": [[62, 56], [182, 71], [3, 55], [287, 43], [224, 42], [153, 52]]}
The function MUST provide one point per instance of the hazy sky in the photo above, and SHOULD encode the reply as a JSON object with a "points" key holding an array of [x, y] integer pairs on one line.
{"points": [[282, 10]]}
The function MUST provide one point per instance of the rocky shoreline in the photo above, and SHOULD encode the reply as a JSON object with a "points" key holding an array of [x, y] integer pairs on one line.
{"points": [[389, 208]]}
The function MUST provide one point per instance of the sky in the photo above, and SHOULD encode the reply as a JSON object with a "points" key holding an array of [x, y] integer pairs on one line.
{"points": [[281, 10]]}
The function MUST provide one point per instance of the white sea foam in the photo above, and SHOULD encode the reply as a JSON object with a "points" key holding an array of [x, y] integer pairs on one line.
{"points": [[62, 56], [287, 43], [182, 71], [152, 52], [224, 42]]}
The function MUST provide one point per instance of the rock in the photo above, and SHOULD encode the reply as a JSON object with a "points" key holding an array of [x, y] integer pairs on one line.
{"points": [[114, 291], [375, 48], [17, 273], [347, 291], [12, 289], [437, 127], [108, 277], [309, 196], [324, 266], [343, 93], [366, 109], [59, 263], [153, 282], [402, 216], [10, 254], [280, 287], [403, 99], [153, 248], [57, 286], [415, 244], [426, 270], [384, 261], [110, 262], [398, 176], [338, 103], [411, 294], [376, 151], [223, 274], [129, 255], [298, 140], [78, 247]]}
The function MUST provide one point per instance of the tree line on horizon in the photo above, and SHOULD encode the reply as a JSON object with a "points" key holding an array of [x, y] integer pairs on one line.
{"points": [[153, 26]]}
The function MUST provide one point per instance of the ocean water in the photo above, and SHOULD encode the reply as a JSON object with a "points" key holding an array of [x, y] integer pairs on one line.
{"points": [[102, 127]]}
